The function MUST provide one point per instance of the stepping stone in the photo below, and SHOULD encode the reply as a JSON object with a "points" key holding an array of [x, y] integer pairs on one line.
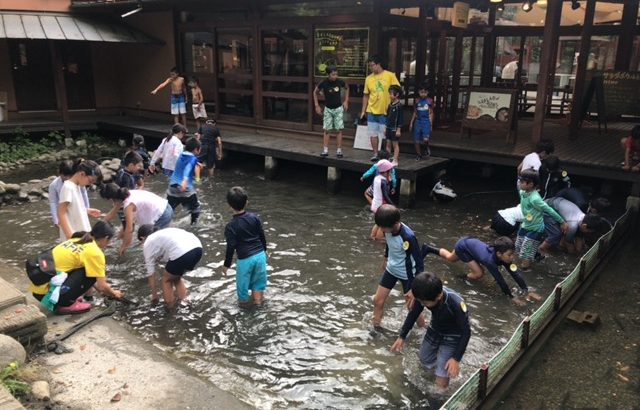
{"points": [[7, 401], [25, 323], [9, 295]]}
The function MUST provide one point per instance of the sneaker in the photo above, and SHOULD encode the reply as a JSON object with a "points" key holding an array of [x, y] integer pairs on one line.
{"points": [[539, 257], [428, 153], [77, 307], [339, 154], [324, 154], [418, 157], [375, 158]]}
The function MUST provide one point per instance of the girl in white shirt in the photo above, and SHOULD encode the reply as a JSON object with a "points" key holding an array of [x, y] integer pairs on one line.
{"points": [[73, 214], [179, 250], [169, 150], [140, 207]]}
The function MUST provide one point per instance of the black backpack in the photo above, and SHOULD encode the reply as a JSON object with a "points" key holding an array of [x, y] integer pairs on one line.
{"points": [[41, 269]]}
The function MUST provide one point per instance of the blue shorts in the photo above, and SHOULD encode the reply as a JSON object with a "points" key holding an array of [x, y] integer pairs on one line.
{"points": [[165, 218], [167, 172], [436, 350], [251, 273], [552, 231], [388, 281], [421, 132], [376, 124], [178, 104], [462, 252]]}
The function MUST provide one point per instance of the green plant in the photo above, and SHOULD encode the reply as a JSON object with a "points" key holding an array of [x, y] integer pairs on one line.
{"points": [[8, 378], [91, 138]]}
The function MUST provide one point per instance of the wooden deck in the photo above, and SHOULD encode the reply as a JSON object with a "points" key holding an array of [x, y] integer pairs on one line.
{"points": [[592, 154]]}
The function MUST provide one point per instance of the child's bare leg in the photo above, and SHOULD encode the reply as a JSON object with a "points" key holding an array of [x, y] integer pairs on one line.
{"points": [[176, 119], [325, 140], [378, 304], [184, 119], [181, 289], [449, 256], [339, 139], [476, 270], [257, 297], [418, 148], [210, 172], [167, 289], [367, 197], [388, 145], [396, 151]]}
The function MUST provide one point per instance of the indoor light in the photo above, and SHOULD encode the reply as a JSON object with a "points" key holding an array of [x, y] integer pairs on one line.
{"points": [[528, 5], [134, 11], [496, 1], [500, 6]]}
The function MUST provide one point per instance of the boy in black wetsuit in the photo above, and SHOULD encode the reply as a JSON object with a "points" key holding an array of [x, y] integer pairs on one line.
{"points": [[448, 333]]}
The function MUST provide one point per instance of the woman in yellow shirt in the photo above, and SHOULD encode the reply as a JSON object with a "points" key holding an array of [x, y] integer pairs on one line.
{"points": [[81, 258]]}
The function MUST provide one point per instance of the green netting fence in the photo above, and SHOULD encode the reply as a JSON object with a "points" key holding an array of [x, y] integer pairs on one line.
{"points": [[473, 391]]}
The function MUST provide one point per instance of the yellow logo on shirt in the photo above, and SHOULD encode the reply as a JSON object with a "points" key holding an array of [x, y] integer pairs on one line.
{"points": [[405, 245], [564, 174], [336, 89], [529, 217], [463, 307], [513, 267]]}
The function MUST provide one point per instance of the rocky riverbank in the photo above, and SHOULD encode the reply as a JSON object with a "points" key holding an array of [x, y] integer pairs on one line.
{"points": [[37, 189]]}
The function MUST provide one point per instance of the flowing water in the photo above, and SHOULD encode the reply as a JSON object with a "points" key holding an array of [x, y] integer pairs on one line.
{"points": [[310, 345]]}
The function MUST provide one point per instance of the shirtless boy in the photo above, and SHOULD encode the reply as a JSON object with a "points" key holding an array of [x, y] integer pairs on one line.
{"points": [[178, 96]]}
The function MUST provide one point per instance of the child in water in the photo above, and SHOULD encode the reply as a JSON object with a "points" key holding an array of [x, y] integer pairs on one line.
{"points": [[368, 193], [381, 192]]}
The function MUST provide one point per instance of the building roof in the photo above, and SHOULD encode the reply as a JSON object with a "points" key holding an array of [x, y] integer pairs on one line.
{"points": [[66, 26]]}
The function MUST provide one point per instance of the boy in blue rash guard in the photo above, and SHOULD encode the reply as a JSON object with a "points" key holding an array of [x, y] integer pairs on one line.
{"points": [[421, 122], [244, 235], [181, 190], [403, 258], [477, 254], [448, 333]]}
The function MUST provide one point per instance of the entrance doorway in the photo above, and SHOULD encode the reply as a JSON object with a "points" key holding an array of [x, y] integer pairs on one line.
{"points": [[32, 75], [78, 75]]}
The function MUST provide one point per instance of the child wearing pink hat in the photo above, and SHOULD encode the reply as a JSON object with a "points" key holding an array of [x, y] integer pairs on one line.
{"points": [[381, 192]]}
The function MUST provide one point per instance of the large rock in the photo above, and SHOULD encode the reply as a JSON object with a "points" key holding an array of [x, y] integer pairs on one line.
{"points": [[11, 351], [12, 188], [25, 323], [40, 390], [2, 188]]}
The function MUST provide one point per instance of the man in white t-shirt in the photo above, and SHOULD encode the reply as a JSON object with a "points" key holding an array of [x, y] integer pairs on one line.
{"points": [[533, 161], [572, 241]]}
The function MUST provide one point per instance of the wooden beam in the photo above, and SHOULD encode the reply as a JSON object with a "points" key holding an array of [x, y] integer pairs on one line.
{"points": [[60, 85], [625, 41], [421, 47], [547, 66], [457, 67], [581, 70], [440, 109], [489, 51]]}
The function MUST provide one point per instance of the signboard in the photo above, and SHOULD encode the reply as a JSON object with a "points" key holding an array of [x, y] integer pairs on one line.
{"points": [[617, 93], [345, 48], [460, 15], [491, 109]]}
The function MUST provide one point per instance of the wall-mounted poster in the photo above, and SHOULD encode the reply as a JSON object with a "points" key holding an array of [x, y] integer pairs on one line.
{"points": [[202, 58], [491, 109], [346, 48], [460, 15]]}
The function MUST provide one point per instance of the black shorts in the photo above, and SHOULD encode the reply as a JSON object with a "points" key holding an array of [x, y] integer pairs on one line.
{"points": [[185, 263], [208, 156], [388, 281], [391, 135], [76, 285], [502, 227]]}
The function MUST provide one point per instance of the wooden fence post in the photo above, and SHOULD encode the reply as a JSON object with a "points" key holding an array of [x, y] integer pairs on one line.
{"points": [[582, 272], [526, 327], [557, 298], [602, 250], [482, 383]]}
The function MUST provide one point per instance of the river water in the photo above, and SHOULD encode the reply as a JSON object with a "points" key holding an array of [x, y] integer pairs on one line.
{"points": [[310, 345]]}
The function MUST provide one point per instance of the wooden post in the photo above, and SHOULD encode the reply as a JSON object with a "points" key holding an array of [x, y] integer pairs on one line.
{"points": [[547, 65], [489, 51], [602, 250], [581, 70], [60, 86], [440, 76], [270, 167], [582, 272], [334, 178], [557, 298], [482, 383], [457, 67], [526, 328], [421, 48], [407, 193], [625, 41]]}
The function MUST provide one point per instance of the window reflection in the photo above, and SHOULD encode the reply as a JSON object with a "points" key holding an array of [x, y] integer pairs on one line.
{"points": [[235, 54], [285, 52], [285, 109]]}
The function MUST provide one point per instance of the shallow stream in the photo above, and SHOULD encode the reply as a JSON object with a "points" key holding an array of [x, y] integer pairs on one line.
{"points": [[310, 345]]}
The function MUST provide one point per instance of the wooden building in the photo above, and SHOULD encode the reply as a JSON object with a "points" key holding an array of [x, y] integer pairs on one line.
{"points": [[259, 60]]}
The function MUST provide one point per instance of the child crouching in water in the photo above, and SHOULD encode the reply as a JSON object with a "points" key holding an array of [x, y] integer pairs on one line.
{"points": [[477, 254], [368, 193], [448, 333], [381, 193], [244, 235]]}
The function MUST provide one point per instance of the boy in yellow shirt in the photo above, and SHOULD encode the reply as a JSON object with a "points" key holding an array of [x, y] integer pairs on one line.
{"points": [[375, 100]]}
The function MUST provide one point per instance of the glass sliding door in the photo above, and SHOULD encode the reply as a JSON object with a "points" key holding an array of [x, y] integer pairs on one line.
{"points": [[235, 72]]}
